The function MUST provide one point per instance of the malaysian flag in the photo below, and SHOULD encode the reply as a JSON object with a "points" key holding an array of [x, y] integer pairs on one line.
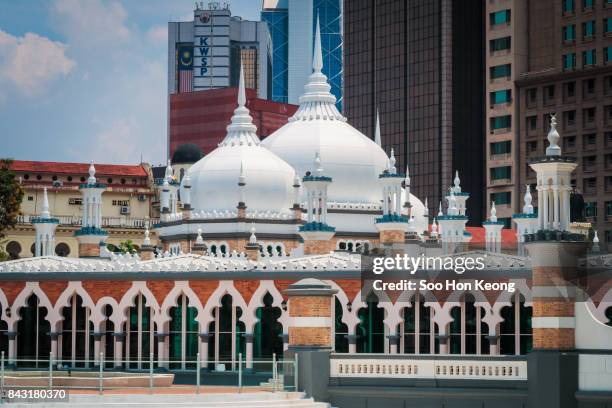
{"points": [[185, 68]]}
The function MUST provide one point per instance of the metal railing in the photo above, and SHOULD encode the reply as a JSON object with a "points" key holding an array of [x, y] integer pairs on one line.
{"points": [[107, 222], [113, 374]]}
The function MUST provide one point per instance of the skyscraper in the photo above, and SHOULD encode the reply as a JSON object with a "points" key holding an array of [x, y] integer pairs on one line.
{"points": [[292, 25], [420, 64], [206, 53]]}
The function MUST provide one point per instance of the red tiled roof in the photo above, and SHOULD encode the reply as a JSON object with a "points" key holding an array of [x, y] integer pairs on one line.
{"points": [[42, 167], [478, 237]]}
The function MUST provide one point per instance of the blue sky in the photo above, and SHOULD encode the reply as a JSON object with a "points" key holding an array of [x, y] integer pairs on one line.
{"points": [[85, 80]]}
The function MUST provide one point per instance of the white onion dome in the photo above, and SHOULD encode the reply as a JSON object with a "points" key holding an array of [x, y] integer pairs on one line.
{"points": [[352, 160], [267, 179]]}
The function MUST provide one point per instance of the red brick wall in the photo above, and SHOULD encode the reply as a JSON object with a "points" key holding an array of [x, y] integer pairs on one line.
{"points": [[113, 288]]}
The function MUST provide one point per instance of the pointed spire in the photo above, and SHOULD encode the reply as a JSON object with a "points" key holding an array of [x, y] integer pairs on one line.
{"points": [[168, 175], [457, 182], [317, 58], [253, 237], [440, 213], [241, 130], [452, 203], [527, 208], [426, 209], [377, 138], [493, 217], [92, 174], [434, 228], [407, 179], [45, 206], [241, 177], [553, 138], [392, 162]]}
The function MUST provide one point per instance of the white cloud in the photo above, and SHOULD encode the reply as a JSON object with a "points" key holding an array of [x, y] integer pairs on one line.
{"points": [[158, 35], [91, 22], [31, 62]]}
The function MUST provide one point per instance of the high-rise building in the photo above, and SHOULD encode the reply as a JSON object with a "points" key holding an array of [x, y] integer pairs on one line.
{"points": [[556, 61], [292, 27], [206, 53], [420, 64]]}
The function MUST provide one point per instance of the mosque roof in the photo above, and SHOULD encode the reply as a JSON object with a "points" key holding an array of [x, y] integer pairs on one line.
{"points": [[42, 167]]}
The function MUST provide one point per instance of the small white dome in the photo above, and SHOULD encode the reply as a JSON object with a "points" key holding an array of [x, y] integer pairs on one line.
{"points": [[268, 180]]}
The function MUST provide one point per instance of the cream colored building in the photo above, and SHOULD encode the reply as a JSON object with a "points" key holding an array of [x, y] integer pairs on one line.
{"points": [[127, 205]]}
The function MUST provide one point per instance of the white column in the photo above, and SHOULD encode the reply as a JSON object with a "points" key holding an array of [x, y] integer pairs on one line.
{"points": [[118, 338], [540, 207], [556, 207], [545, 194], [249, 350]]}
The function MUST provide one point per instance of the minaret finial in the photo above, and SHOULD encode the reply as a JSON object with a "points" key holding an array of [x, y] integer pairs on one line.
{"points": [[199, 239], [377, 138], [241, 177], [92, 174], [392, 162], [241, 90], [253, 237], [317, 59], [434, 228], [317, 164], [553, 138], [45, 207], [440, 213], [426, 209], [147, 237], [169, 171], [527, 208], [493, 217], [457, 182]]}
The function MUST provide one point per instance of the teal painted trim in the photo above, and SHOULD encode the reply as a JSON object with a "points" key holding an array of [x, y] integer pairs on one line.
{"points": [[451, 217], [553, 235], [468, 233], [316, 226], [95, 185], [317, 178], [552, 159], [40, 220], [89, 231], [521, 215], [391, 218], [493, 223], [462, 194], [394, 175]]}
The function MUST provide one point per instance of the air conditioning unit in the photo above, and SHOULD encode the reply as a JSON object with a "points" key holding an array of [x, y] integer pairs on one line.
{"points": [[125, 209], [142, 197]]}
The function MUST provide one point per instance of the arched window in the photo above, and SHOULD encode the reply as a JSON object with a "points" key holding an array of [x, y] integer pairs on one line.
{"points": [[416, 328], [227, 329], [467, 331], [107, 345], [184, 339], [33, 341], [76, 339], [371, 329], [341, 329], [13, 248], [62, 249], [139, 334], [515, 331], [267, 339]]}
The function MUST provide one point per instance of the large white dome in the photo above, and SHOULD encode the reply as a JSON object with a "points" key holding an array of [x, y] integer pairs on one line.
{"points": [[268, 180]]}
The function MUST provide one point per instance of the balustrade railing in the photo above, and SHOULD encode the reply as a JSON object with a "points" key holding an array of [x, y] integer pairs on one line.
{"points": [[107, 222]]}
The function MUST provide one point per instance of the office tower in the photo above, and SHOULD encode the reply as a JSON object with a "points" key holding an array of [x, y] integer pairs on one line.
{"points": [[420, 64], [292, 25]]}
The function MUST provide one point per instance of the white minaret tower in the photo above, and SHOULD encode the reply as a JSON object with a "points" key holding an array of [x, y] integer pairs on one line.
{"points": [[297, 210], [316, 233], [241, 185], [377, 138], [91, 235], [526, 221], [186, 192], [45, 226], [168, 197], [452, 226], [554, 184], [493, 231], [461, 197]]}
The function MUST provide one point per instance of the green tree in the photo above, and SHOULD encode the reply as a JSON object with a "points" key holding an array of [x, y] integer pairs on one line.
{"points": [[124, 247], [11, 194]]}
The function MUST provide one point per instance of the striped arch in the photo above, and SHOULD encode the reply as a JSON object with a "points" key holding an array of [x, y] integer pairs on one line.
{"points": [[226, 287], [74, 287], [127, 301], [171, 300], [29, 289], [348, 318], [250, 315]]}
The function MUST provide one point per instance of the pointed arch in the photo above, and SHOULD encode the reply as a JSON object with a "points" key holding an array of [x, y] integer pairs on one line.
{"points": [[21, 301]]}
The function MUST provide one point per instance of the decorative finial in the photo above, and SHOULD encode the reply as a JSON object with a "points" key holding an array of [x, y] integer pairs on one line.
{"points": [[457, 182], [595, 238], [199, 239], [527, 208], [252, 238], [434, 228], [168, 175], [296, 181], [241, 177], [241, 90], [407, 179], [147, 237], [595, 247], [440, 213], [493, 217], [92, 174], [377, 138], [317, 59], [317, 164], [392, 162], [553, 138], [187, 180], [426, 209], [452, 203], [45, 207]]}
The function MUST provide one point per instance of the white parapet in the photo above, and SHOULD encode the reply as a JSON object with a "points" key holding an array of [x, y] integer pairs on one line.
{"points": [[494, 368]]}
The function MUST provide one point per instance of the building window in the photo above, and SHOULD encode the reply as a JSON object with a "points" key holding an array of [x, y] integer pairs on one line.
{"points": [[500, 17], [502, 198], [569, 61], [569, 33], [608, 210], [587, 4], [531, 147], [501, 173], [588, 88], [501, 147], [608, 85], [532, 122], [569, 142], [607, 54], [588, 116], [607, 24], [75, 201], [588, 58], [500, 44], [532, 95], [501, 122], [569, 118], [549, 94], [589, 140], [503, 96], [568, 6], [588, 164], [121, 203], [588, 29], [500, 71], [590, 209], [569, 90], [608, 139]]}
